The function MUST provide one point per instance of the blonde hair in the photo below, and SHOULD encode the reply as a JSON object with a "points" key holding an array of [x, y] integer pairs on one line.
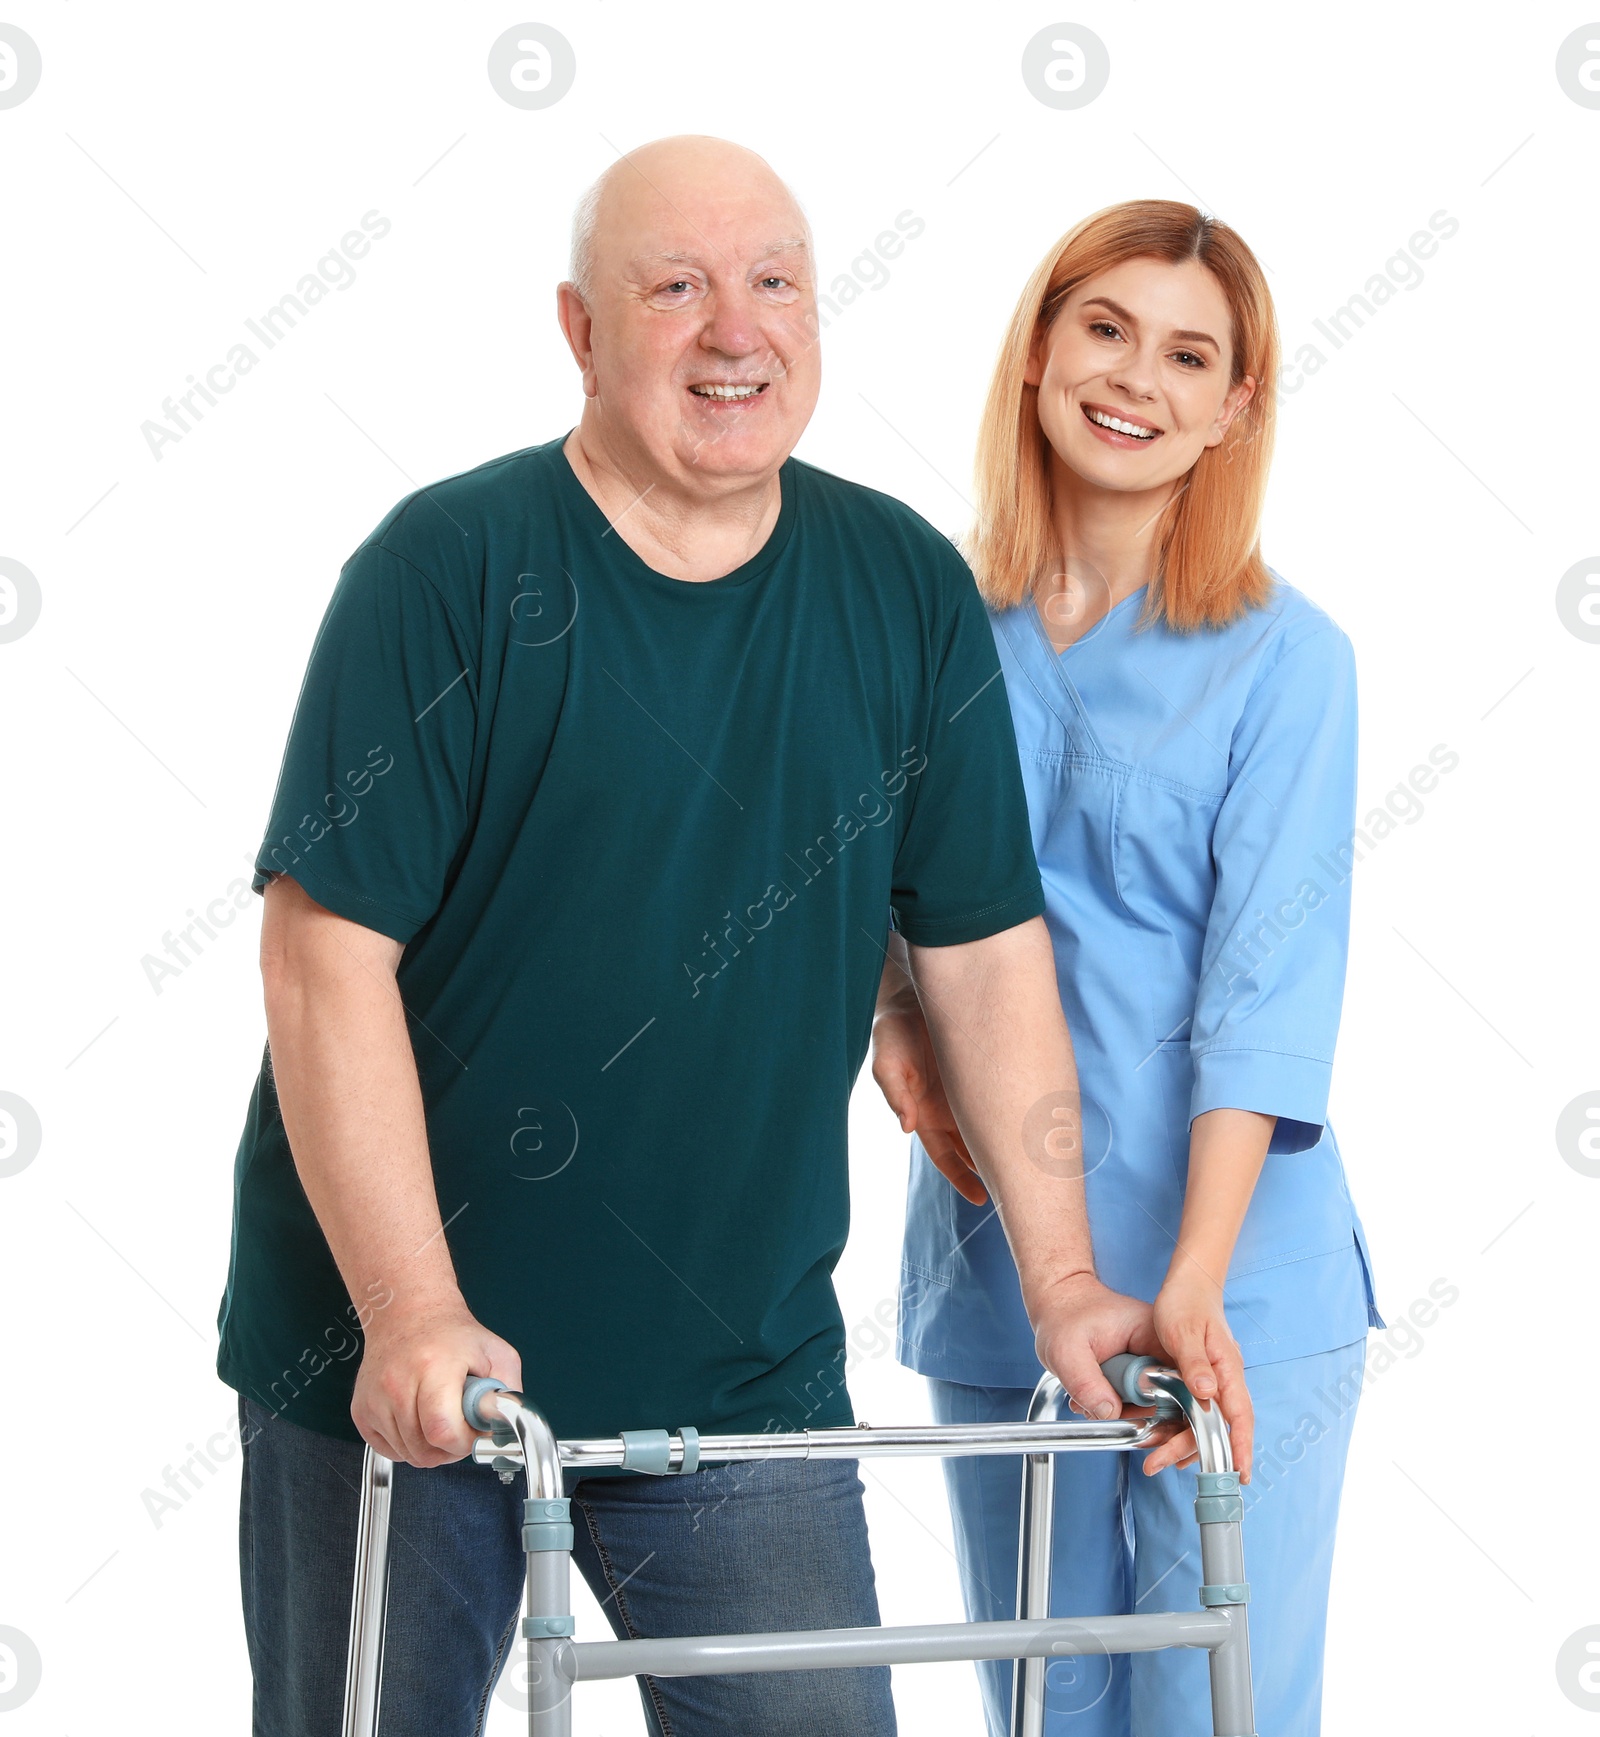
{"points": [[1209, 569]]}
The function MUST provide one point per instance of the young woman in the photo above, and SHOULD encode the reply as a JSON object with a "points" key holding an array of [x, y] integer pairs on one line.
{"points": [[1187, 728]]}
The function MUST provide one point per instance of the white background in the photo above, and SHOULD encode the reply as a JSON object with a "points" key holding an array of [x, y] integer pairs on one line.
{"points": [[180, 168]]}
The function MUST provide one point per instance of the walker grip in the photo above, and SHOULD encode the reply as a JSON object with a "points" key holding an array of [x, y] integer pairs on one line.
{"points": [[1123, 1372], [478, 1389]]}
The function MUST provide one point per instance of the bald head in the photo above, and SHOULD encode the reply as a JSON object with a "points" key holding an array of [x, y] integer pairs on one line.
{"points": [[692, 314], [681, 172]]}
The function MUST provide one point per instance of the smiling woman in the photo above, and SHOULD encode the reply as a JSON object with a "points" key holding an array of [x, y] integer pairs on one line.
{"points": [[1186, 726], [1071, 320]]}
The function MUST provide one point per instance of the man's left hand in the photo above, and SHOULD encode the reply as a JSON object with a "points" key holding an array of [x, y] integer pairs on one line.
{"points": [[1078, 1324]]}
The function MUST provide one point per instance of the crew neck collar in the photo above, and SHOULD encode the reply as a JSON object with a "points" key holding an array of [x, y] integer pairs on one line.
{"points": [[623, 553]]}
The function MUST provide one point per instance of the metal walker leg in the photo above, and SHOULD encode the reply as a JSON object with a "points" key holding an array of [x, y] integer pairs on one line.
{"points": [[1219, 1509], [547, 1548], [1034, 1562], [363, 1678]]}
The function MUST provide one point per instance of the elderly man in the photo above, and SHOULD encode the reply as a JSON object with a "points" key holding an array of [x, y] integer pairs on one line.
{"points": [[613, 759]]}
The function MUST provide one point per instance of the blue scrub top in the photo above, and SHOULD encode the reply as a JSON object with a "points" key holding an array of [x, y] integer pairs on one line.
{"points": [[1193, 806]]}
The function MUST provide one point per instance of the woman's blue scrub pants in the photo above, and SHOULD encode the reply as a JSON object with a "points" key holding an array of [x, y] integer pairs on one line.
{"points": [[1125, 1542]]}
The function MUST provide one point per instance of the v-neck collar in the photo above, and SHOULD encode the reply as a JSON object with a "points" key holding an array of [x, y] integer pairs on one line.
{"points": [[1093, 633], [1030, 645]]}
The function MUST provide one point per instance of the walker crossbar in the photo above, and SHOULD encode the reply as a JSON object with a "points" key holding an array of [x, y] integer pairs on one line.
{"points": [[520, 1439], [932, 1643]]}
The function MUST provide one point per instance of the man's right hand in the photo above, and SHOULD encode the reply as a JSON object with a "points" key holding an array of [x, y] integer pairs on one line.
{"points": [[407, 1402]]}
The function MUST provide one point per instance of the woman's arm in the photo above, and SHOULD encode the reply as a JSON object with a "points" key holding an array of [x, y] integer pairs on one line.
{"points": [[1226, 1151], [907, 1072], [895, 988], [1267, 1007]]}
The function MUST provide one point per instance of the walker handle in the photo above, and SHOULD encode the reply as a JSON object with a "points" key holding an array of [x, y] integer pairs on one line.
{"points": [[1123, 1372], [478, 1389]]}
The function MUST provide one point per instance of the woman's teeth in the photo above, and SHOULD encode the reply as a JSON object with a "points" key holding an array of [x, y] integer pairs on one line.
{"points": [[1119, 426], [727, 391]]}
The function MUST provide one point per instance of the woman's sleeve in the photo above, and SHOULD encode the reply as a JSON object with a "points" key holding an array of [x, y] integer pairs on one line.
{"points": [[1272, 976]]}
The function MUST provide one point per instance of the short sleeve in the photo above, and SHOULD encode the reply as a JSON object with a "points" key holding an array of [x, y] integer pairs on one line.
{"points": [[372, 800], [1272, 979], [965, 866]]}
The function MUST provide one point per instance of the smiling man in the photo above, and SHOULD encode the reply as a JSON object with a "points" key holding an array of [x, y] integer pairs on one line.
{"points": [[613, 758]]}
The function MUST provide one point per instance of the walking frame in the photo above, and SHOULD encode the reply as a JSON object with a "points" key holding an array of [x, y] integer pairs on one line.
{"points": [[519, 1438]]}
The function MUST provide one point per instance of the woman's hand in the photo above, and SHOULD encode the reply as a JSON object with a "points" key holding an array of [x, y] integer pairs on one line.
{"points": [[907, 1072], [1189, 1321]]}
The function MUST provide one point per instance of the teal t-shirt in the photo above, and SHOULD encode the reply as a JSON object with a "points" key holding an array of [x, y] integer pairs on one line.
{"points": [[641, 839]]}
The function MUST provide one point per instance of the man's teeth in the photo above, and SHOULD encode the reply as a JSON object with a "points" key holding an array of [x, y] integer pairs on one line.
{"points": [[725, 391], [1122, 427]]}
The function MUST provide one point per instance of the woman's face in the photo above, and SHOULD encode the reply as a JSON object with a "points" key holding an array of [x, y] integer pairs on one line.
{"points": [[1145, 345]]}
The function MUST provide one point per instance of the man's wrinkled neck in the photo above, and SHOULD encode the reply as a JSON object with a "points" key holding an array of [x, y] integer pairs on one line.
{"points": [[676, 521]]}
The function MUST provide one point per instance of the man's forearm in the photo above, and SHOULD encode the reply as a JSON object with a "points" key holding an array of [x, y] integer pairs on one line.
{"points": [[993, 1009], [346, 1079]]}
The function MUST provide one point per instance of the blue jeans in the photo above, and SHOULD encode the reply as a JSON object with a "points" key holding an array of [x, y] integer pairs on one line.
{"points": [[763, 1545], [1125, 1542]]}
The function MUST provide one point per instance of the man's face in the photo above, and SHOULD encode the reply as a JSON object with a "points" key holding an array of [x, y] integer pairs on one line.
{"points": [[703, 355]]}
